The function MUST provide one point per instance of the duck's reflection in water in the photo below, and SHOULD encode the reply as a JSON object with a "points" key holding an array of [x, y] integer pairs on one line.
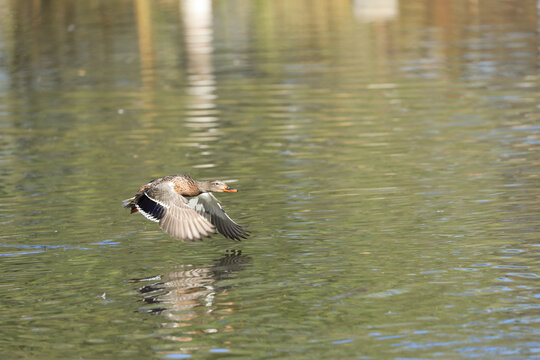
{"points": [[180, 293]]}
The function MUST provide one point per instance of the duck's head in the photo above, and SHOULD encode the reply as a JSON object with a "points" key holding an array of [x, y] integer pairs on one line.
{"points": [[217, 186]]}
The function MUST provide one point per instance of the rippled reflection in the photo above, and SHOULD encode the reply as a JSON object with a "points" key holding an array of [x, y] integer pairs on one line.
{"points": [[189, 294], [370, 10]]}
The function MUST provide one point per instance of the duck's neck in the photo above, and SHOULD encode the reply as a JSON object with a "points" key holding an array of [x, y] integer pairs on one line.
{"points": [[204, 186]]}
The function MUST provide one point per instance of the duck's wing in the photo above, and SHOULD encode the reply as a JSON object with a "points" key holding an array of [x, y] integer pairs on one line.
{"points": [[164, 205], [208, 206]]}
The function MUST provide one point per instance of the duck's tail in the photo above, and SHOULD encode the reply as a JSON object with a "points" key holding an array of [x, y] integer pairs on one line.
{"points": [[130, 203]]}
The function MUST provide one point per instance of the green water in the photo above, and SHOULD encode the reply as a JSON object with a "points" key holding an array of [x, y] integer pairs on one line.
{"points": [[387, 166]]}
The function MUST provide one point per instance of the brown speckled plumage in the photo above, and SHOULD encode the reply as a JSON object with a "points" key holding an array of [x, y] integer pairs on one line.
{"points": [[185, 208]]}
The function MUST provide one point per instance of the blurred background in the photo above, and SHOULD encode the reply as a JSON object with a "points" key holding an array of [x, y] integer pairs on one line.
{"points": [[385, 152]]}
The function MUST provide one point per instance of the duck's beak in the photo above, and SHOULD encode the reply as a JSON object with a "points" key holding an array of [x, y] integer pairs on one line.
{"points": [[229, 189]]}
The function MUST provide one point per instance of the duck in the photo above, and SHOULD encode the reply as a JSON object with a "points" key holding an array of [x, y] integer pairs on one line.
{"points": [[185, 208]]}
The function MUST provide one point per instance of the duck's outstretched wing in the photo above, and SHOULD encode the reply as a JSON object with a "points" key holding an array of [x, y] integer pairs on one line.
{"points": [[162, 204], [208, 206]]}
